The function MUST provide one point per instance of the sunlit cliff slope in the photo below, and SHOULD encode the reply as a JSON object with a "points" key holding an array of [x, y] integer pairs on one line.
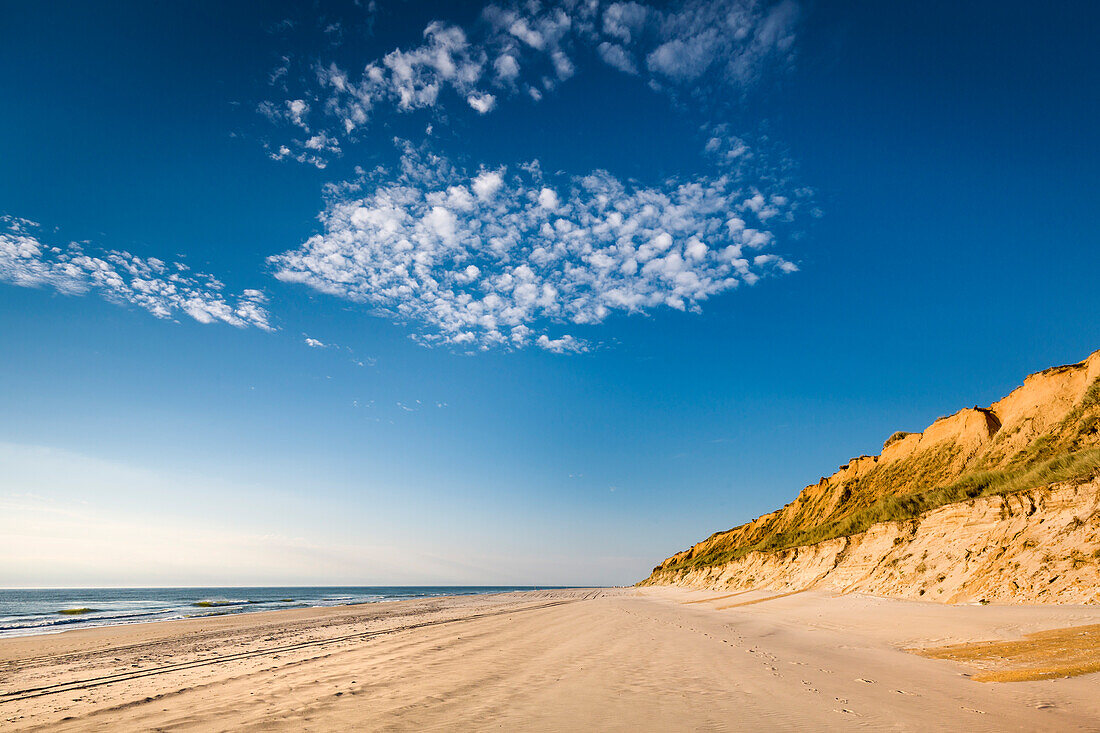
{"points": [[1000, 503]]}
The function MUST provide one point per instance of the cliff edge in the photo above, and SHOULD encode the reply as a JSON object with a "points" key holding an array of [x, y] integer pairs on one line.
{"points": [[997, 503]]}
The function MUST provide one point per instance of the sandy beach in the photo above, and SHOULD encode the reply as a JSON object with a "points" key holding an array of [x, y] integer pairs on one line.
{"points": [[606, 659]]}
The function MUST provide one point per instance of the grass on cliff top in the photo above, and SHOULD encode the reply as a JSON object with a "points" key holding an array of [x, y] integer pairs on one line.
{"points": [[1067, 467]]}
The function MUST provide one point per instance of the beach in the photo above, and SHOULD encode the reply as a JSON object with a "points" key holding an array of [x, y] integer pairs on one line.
{"points": [[606, 659]]}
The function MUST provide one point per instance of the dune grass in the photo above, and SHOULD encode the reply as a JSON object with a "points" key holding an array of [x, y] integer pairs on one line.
{"points": [[1066, 467]]}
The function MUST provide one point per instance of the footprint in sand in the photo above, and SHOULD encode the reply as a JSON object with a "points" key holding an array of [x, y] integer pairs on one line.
{"points": [[846, 711], [868, 682], [972, 710]]}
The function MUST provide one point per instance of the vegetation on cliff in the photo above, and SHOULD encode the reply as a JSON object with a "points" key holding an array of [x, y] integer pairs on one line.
{"points": [[1044, 432]]}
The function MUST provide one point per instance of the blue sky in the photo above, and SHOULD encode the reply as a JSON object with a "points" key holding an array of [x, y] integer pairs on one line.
{"points": [[455, 293]]}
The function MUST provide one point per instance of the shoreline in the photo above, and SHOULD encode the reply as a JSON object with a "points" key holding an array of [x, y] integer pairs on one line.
{"points": [[616, 659], [39, 611]]}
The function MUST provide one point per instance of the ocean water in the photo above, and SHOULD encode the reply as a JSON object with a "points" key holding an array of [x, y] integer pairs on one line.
{"points": [[26, 611]]}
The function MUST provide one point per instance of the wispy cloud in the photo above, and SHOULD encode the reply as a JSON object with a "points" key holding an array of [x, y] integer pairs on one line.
{"points": [[735, 40], [164, 289], [529, 49], [512, 256]]}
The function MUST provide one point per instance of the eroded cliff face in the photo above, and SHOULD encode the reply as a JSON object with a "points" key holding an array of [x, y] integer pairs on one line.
{"points": [[1052, 419], [1037, 546]]}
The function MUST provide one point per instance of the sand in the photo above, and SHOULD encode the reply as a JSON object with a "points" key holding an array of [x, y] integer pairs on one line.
{"points": [[1039, 656], [617, 659]]}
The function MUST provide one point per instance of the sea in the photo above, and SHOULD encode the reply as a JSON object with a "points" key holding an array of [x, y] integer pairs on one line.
{"points": [[25, 612]]}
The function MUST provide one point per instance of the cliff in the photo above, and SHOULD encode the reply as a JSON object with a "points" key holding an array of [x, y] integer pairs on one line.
{"points": [[1000, 501]]}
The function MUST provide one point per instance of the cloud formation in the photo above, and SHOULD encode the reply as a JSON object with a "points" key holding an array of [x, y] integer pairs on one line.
{"points": [[163, 289], [511, 256], [529, 49]]}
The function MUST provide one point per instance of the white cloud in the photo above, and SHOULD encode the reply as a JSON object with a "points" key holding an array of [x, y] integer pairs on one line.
{"points": [[734, 39], [548, 199], [563, 66], [624, 20], [163, 289], [297, 110], [321, 141], [690, 48], [486, 184], [506, 67], [314, 343], [684, 59], [525, 254], [482, 103], [560, 345], [615, 55]]}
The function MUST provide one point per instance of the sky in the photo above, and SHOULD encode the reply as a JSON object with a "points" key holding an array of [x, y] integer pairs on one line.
{"points": [[536, 293]]}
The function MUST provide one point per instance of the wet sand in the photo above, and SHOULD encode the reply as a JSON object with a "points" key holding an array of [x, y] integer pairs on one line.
{"points": [[615, 659]]}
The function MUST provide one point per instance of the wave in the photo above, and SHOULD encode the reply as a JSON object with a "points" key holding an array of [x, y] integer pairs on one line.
{"points": [[27, 623], [50, 611]]}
